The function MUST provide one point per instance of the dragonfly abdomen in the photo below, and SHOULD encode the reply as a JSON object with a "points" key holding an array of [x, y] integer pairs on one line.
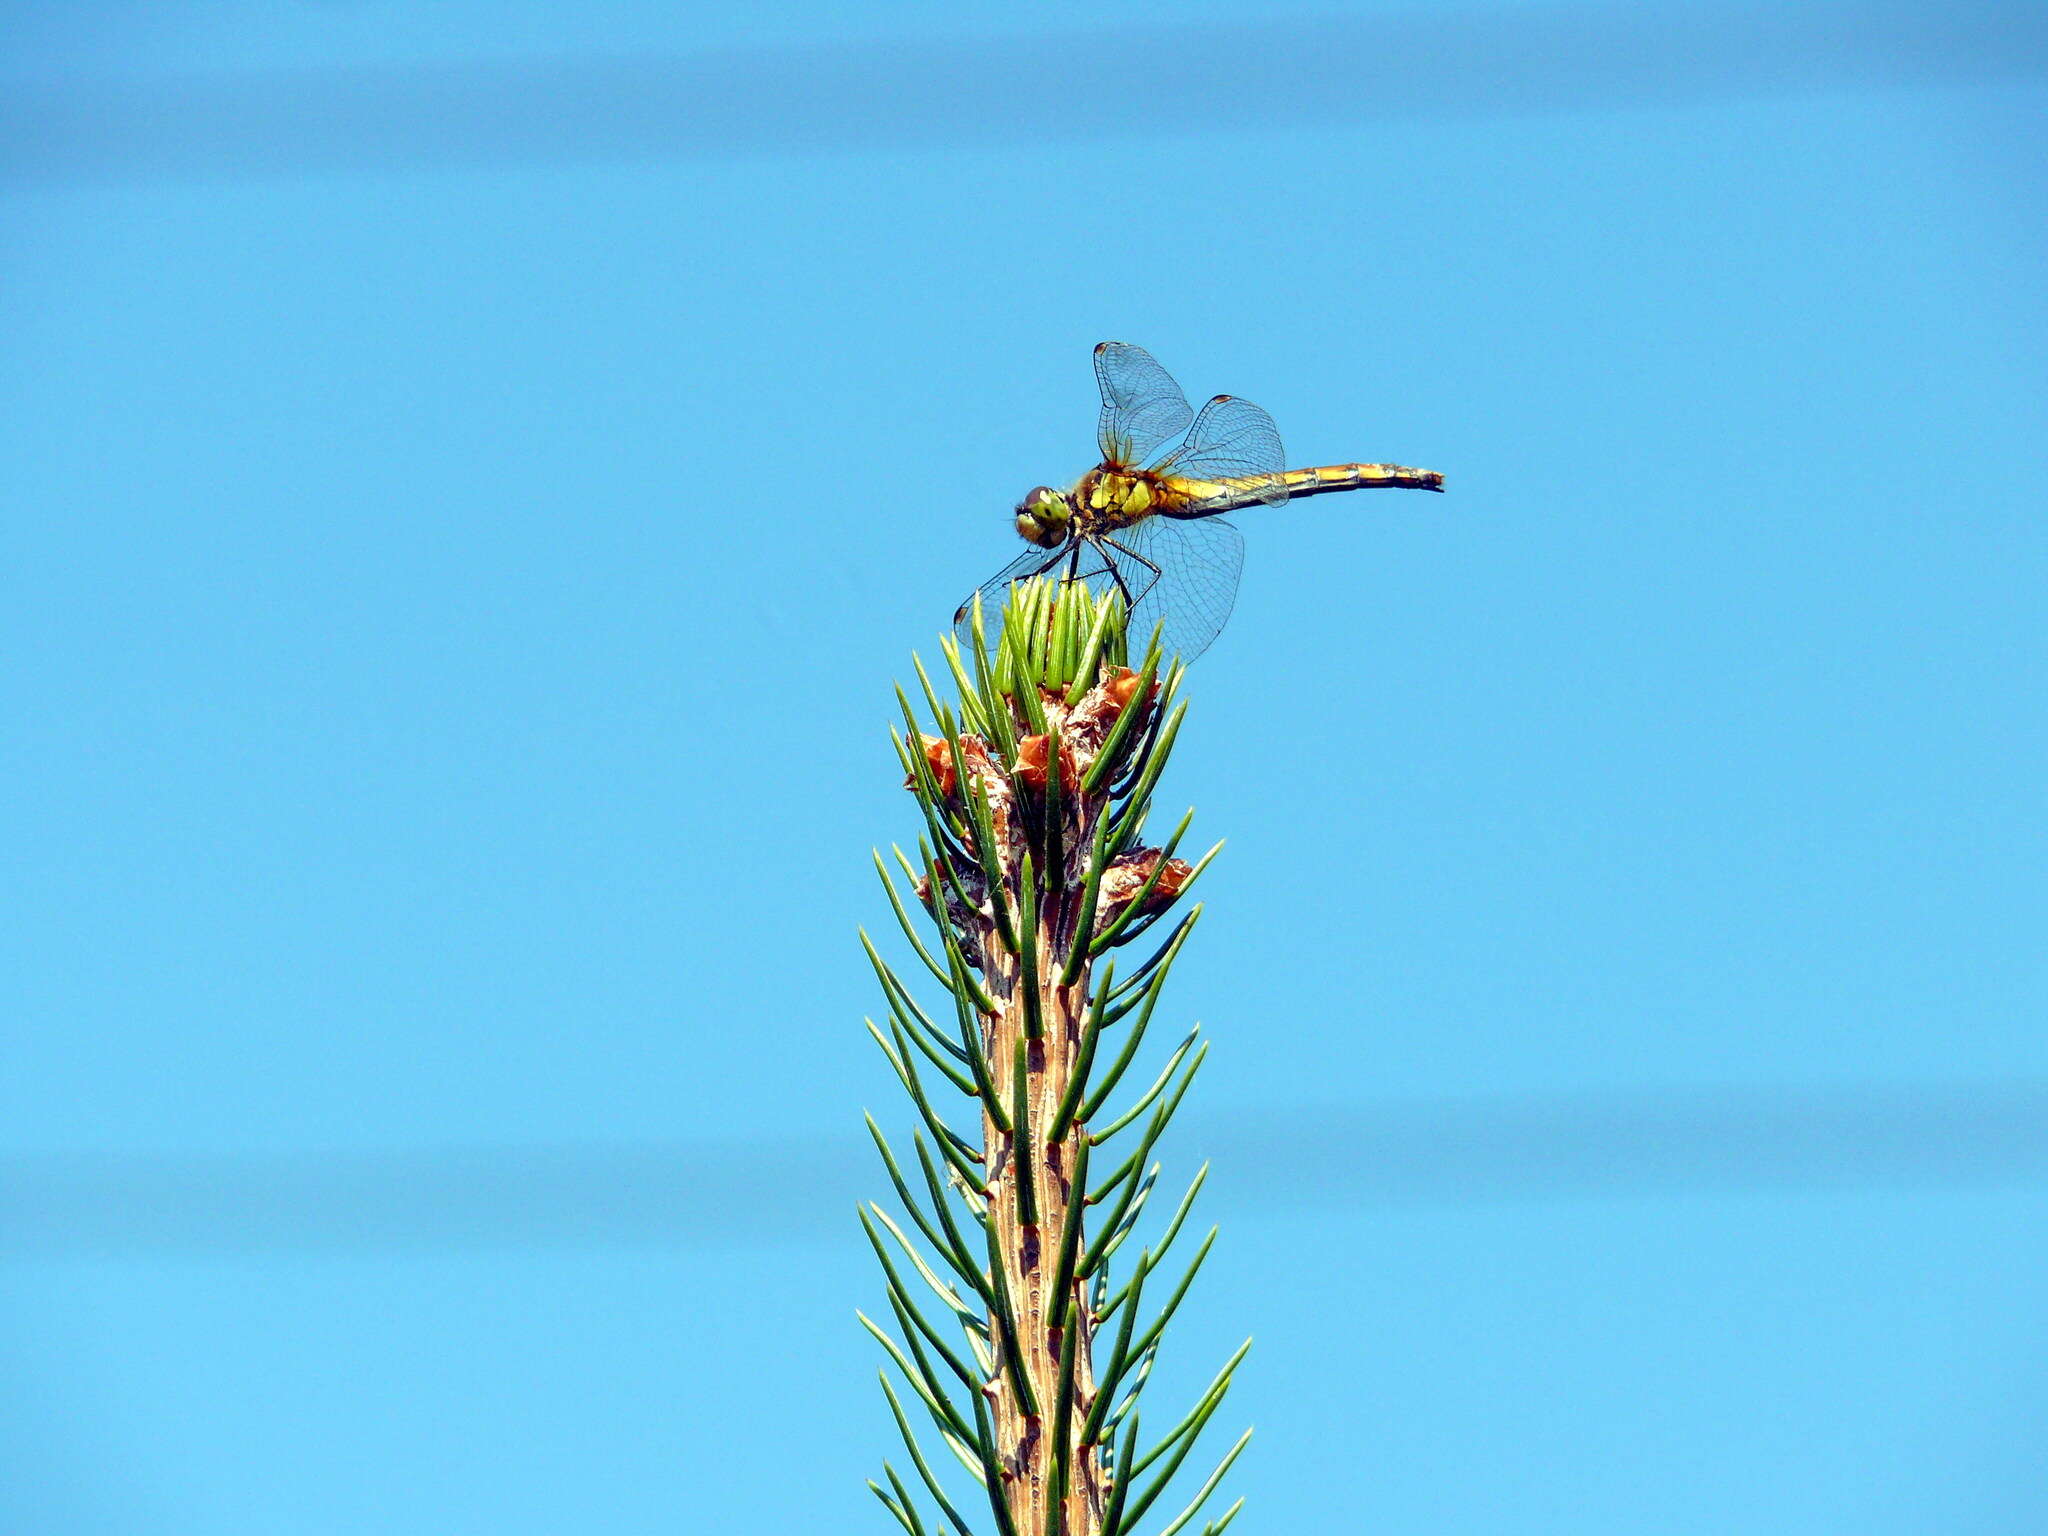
{"points": [[1211, 496], [1359, 477]]}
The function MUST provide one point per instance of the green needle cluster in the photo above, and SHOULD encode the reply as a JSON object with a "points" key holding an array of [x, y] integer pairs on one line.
{"points": [[1034, 772]]}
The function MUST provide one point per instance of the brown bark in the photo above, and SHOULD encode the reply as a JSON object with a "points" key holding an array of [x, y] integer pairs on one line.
{"points": [[1028, 1253]]}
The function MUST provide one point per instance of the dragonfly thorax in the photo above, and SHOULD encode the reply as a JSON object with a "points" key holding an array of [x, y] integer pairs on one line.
{"points": [[1109, 497]]}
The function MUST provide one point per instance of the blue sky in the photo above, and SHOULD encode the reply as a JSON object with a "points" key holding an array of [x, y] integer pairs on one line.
{"points": [[452, 611]]}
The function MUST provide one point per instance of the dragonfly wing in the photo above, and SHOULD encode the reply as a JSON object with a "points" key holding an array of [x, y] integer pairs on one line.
{"points": [[1182, 576], [1141, 405], [996, 590], [1232, 440]]}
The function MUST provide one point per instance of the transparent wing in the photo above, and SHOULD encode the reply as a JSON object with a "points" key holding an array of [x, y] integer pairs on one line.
{"points": [[1181, 574], [1232, 440], [1141, 405], [996, 590]]}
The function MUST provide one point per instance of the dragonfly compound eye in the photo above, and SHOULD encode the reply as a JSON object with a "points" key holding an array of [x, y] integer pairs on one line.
{"points": [[1042, 518]]}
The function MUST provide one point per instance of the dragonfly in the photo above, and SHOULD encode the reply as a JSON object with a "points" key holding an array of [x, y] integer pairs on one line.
{"points": [[1149, 519]]}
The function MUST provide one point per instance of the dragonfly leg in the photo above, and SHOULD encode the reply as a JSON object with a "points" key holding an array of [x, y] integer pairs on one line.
{"points": [[1117, 576], [1124, 549]]}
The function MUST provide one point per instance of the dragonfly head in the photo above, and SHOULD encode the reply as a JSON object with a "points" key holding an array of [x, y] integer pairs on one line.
{"points": [[1043, 516]]}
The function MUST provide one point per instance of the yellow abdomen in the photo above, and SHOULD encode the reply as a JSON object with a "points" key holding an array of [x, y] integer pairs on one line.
{"points": [[1195, 498]]}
